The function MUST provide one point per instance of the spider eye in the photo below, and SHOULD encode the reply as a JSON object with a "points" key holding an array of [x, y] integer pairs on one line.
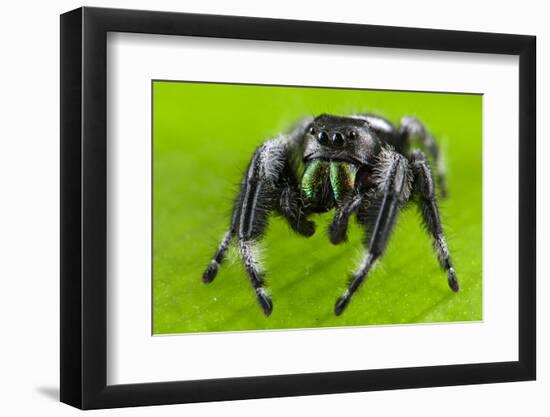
{"points": [[323, 138], [311, 130], [338, 139], [352, 134]]}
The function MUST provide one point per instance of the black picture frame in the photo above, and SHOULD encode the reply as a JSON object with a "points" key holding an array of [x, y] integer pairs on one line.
{"points": [[84, 207]]}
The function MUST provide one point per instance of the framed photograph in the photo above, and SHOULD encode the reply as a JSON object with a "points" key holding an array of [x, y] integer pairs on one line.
{"points": [[258, 208]]}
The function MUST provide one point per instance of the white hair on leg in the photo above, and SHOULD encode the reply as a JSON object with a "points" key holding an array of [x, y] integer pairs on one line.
{"points": [[251, 254], [385, 160], [272, 159]]}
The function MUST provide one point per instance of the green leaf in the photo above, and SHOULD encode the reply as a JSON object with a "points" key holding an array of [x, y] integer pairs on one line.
{"points": [[204, 135]]}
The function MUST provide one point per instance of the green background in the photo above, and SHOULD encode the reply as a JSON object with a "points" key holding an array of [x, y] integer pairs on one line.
{"points": [[203, 137]]}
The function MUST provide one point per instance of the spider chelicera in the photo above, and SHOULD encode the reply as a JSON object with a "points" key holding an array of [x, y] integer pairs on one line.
{"points": [[359, 164]]}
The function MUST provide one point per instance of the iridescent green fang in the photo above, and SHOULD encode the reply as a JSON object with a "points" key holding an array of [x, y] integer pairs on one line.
{"points": [[326, 182], [315, 184], [342, 179]]}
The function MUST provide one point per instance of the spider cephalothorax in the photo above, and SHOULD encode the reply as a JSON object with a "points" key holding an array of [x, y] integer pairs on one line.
{"points": [[359, 164]]}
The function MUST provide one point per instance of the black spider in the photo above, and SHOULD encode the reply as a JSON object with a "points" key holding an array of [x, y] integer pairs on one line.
{"points": [[358, 164]]}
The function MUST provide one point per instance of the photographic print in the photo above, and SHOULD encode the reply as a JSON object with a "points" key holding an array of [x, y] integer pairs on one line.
{"points": [[377, 192], [285, 207]]}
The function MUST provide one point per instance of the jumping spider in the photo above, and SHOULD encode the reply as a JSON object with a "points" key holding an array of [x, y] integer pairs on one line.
{"points": [[358, 164]]}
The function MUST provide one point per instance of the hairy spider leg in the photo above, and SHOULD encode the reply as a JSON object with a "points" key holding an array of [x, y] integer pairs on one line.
{"points": [[411, 130], [212, 268], [379, 219], [256, 200], [292, 208], [269, 184], [248, 222], [424, 187], [263, 192], [337, 230]]}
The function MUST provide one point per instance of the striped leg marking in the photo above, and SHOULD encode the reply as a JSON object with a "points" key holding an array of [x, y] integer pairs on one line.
{"points": [[395, 185], [430, 214]]}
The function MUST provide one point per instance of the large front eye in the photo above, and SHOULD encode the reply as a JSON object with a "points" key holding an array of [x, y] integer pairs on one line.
{"points": [[337, 139], [323, 138]]}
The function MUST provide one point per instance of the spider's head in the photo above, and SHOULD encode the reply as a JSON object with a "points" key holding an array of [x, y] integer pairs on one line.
{"points": [[341, 139]]}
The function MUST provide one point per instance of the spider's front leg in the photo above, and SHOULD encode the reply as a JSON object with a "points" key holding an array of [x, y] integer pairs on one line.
{"points": [[378, 216], [291, 206], [424, 186], [269, 185], [337, 230]]}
